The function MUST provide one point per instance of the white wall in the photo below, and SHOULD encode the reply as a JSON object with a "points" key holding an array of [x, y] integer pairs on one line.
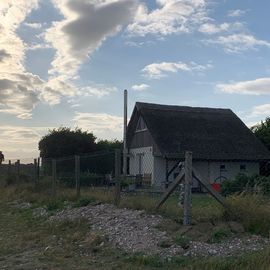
{"points": [[147, 161], [209, 170]]}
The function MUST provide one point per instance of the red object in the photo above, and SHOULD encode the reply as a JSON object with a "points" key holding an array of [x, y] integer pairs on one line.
{"points": [[216, 187]]}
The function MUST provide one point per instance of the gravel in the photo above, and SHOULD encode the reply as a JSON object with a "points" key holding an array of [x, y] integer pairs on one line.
{"points": [[136, 231]]}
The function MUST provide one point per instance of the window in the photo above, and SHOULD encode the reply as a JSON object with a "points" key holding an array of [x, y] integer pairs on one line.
{"points": [[141, 126], [222, 167], [243, 167]]}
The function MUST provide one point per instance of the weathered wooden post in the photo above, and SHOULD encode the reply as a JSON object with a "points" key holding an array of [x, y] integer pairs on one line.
{"points": [[38, 169], [77, 176], [117, 195], [35, 172], [9, 168], [54, 177], [188, 185], [18, 171]]}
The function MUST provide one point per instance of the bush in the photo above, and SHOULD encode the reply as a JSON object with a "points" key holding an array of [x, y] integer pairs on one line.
{"points": [[243, 182]]}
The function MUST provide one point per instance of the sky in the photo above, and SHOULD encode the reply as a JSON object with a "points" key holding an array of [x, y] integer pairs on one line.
{"points": [[67, 62]]}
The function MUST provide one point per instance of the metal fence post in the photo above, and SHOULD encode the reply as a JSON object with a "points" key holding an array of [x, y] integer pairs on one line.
{"points": [[77, 176], [188, 185], [54, 177], [117, 194]]}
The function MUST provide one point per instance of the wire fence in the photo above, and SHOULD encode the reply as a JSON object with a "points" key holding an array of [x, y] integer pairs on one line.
{"points": [[145, 173]]}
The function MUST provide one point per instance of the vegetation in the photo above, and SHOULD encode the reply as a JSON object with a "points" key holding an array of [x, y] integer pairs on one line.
{"points": [[262, 131], [72, 245], [244, 183], [73, 142]]}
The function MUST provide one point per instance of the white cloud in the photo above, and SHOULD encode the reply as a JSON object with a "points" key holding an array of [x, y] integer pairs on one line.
{"points": [[211, 28], [18, 88], [140, 87], [160, 70], [171, 17], [261, 110], [33, 25], [97, 90], [236, 13], [237, 43], [256, 87], [104, 126]]}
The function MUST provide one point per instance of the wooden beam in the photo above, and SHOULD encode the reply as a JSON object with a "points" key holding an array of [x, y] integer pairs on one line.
{"points": [[209, 188], [171, 188]]}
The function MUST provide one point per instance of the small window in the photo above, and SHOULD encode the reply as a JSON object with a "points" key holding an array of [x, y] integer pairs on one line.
{"points": [[141, 126], [222, 167], [243, 167]]}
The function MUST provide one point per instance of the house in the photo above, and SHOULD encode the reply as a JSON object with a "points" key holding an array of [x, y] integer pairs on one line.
{"points": [[222, 146]]}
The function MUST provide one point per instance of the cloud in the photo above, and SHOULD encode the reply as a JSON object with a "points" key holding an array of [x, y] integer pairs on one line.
{"points": [[260, 110], [104, 126], [20, 142], [4, 55], [18, 88], [33, 25], [237, 43], [256, 87], [97, 90], [171, 17], [160, 70], [236, 13], [86, 26], [140, 87], [210, 28]]}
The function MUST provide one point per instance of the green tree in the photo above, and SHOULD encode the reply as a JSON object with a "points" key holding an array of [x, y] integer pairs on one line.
{"points": [[63, 142], [262, 131], [110, 146]]}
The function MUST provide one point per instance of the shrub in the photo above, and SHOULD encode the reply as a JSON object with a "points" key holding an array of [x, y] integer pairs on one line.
{"points": [[243, 182]]}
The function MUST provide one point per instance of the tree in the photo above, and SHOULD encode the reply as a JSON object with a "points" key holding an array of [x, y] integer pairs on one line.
{"points": [[106, 145], [64, 142], [262, 131]]}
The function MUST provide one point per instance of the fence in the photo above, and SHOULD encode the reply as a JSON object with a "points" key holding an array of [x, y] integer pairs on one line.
{"points": [[145, 172]]}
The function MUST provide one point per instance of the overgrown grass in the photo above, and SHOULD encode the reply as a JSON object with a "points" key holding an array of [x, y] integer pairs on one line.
{"points": [[37, 244]]}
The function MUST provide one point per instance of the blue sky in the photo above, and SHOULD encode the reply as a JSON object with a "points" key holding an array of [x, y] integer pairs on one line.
{"points": [[67, 62]]}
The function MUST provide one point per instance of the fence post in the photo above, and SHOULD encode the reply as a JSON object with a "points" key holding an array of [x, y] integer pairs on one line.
{"points": [[18, 170], [35, 172], [77, 176], [188, 185], [9, 168], [38, 169], [117, 177], [54, 177]]}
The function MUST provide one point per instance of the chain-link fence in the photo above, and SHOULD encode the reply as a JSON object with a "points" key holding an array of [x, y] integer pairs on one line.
{"points": [[145, 172]]}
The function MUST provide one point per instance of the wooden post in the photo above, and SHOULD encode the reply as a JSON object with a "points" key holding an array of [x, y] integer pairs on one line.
{"points": [[53, 177], [77, 176], [38, 169], [9, 168], [188, 185], [125, 151], [35, 171], [117, 195], [18, 171]]}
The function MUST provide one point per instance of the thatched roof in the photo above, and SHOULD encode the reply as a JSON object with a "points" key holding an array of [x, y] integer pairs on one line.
{"points": [[211, 134]]}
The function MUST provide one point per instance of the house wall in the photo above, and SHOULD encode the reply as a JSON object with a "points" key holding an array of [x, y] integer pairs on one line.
{"points": [[147, 161], [209, 170]]}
